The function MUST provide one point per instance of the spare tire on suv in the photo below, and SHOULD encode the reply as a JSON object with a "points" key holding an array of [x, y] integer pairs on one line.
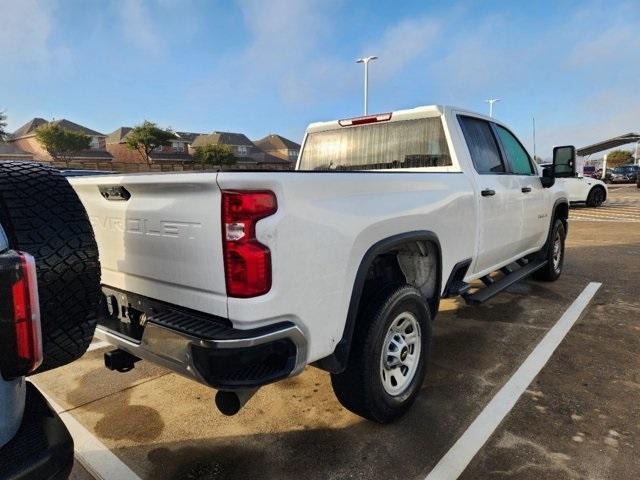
{"points": [[42, 215]]}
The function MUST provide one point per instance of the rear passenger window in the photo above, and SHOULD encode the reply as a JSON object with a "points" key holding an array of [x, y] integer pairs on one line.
{"points": [[482, 145], [515, 152]]}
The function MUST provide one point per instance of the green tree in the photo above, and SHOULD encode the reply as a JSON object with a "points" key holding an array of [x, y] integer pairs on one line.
{"points": [[214, 154], [61, 144], [619, 157], [3, 125], [147, 137]]}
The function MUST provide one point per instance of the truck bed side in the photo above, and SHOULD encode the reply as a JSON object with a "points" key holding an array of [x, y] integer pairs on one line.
{"points": [[165, 241], [325, 224]]}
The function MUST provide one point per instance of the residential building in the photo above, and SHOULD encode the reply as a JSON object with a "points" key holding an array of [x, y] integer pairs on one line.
{"points": [[24, 138], [247, 154], [115, 145], [242, 147], [279, 146], [184, 140], [176, 151], [270, 152]]}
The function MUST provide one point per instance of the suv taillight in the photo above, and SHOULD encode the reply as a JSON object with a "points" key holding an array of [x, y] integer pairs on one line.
{"points": [[20, 334], [247, 262]]}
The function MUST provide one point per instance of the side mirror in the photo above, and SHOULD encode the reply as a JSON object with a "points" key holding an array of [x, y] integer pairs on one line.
{"points": [[547, 179], [564, 161]]}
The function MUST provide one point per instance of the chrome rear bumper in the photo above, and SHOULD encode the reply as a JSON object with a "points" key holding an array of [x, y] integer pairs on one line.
{"points": [[211, 353]]}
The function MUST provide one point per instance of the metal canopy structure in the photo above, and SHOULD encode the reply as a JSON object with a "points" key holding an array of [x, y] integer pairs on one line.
{"points": [[609, 143]]}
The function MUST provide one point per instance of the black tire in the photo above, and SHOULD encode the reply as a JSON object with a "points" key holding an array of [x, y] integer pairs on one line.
{"points": [[596, 197], [360, 387], [553, 269], [42, 215]]}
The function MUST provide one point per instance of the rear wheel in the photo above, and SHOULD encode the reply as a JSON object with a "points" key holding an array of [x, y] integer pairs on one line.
{"points": [[553, 252], [42, 215], [388, 356], [596, 197]]}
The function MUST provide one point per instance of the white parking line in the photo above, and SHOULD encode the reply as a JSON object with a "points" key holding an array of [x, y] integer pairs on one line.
{"points": [[94, 456], [458, 457], [604, 219], [604, 215], [622, 210]]}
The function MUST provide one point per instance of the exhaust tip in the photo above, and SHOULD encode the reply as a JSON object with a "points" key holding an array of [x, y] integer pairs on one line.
{"points": [[228, 403]]}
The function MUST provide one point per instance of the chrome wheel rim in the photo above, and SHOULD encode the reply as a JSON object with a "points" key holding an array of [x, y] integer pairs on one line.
{"points": [[400, 354], [557, 251]]}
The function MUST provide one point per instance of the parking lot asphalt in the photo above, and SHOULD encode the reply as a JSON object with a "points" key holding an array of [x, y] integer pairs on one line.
{"points": [[578, 419]]}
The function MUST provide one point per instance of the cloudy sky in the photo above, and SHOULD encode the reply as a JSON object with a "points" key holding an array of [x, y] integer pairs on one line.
{"points": [[261, 66]]}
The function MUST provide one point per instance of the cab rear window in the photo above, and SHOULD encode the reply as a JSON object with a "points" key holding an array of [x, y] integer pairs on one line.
{"points": [[379, 146]]}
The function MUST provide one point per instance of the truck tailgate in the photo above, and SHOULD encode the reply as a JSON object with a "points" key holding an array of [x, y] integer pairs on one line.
{"points": [[159, 235]]}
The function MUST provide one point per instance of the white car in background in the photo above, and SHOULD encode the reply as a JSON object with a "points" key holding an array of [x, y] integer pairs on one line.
{"points": [[587, 190]]}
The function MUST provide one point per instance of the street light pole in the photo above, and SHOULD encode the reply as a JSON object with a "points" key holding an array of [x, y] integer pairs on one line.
{"points": [[491, 101], [366, 61], [534, 138]]}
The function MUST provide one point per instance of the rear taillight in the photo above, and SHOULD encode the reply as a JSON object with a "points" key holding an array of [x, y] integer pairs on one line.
{"points": [[247, 262], [20, 316]]}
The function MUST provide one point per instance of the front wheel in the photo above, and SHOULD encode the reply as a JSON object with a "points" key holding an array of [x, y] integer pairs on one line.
{"points": [[596, 197], [388, 356], [553, 253]]}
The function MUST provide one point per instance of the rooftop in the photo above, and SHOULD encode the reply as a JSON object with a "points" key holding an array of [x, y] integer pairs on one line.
{"points": [[276, 142], [224, 138], [188, 136], [609, 143], [118, 135], [29, 128]]}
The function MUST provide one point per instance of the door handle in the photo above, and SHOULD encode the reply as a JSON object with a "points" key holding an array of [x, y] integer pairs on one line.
{"points": [[487, 192], [526, 189]]}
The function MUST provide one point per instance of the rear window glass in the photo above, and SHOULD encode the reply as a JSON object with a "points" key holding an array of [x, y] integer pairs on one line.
{"points": [[378, 146]]}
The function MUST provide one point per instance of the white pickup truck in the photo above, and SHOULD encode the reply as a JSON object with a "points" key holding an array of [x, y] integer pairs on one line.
{"points": [[239, 279]]}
